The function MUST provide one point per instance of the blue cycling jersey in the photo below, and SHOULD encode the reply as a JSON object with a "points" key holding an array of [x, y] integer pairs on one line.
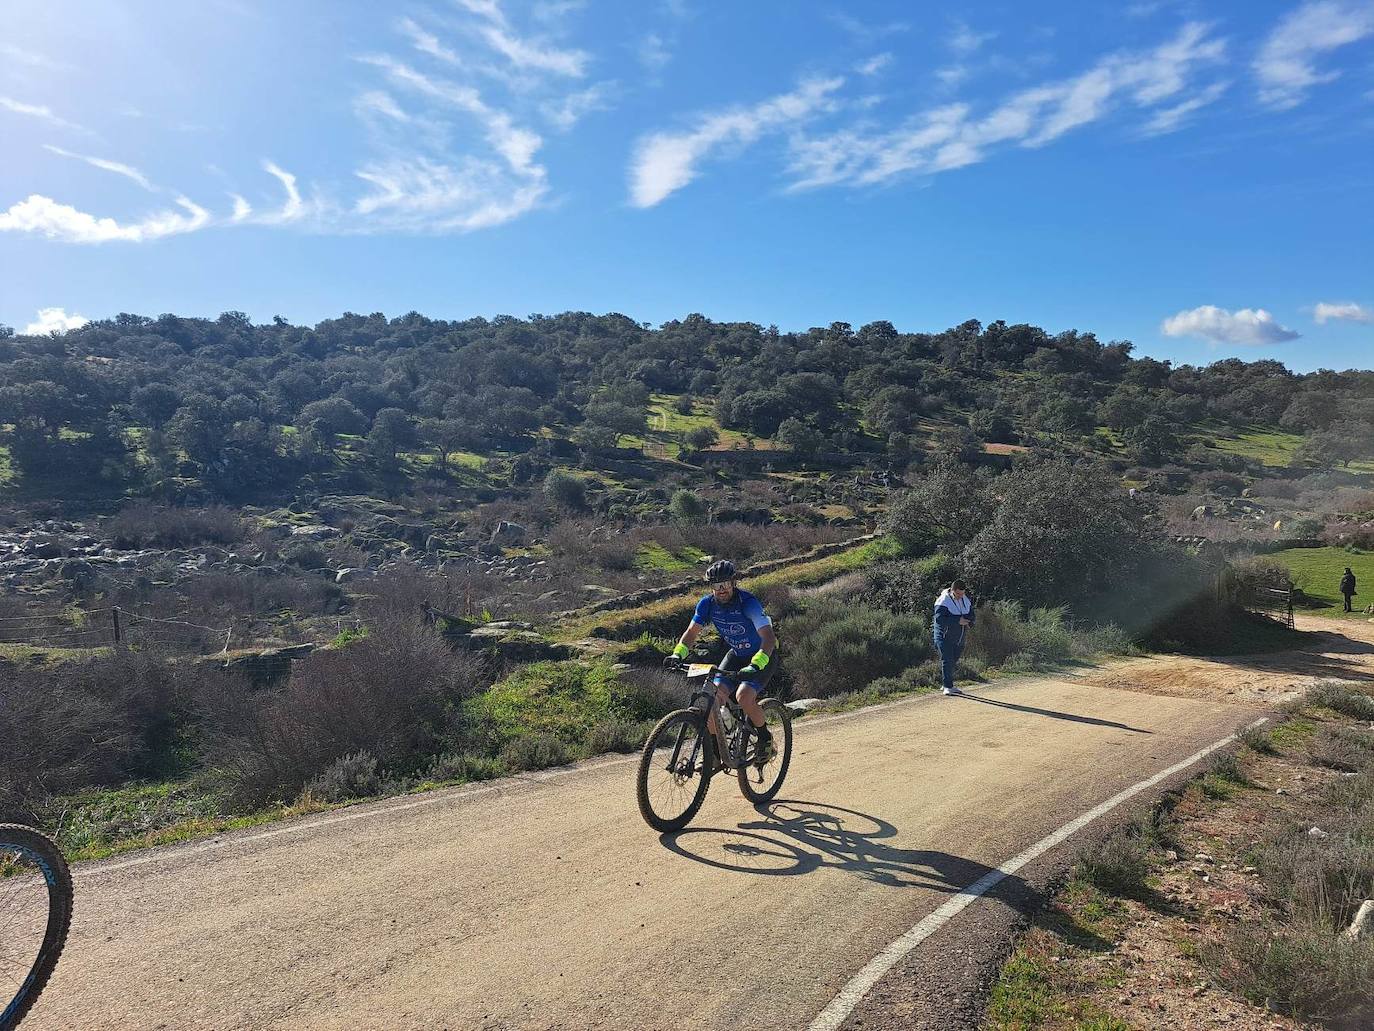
{"points": [[738, 621]]}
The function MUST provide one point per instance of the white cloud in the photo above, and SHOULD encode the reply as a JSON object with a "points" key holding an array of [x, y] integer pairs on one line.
{"points": [[1344, 312], [524, 53], [426, 42], [38, 111], [1168, 119], [293, 207], [29, 57], [45, 217], [54, 320], [1247, 326], [965, 41], [127, 171], [665, 162], [1286, 66], [874, 64], [950, 136], [242, 209], [653, 53], [418, 194], [379, 102], [567, 111]]}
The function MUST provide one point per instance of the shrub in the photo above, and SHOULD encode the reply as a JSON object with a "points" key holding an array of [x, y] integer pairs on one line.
{"points": [[143, 525], [1301, 970], [1002, 630], [835, 646], [1342, 748], [687, 507], [566, 700], [91, 723], [535, 751], [565, 489], [401, 695], [1257, 739], [349, 776], [1118, 864], [617, 735], [1344, 700]]}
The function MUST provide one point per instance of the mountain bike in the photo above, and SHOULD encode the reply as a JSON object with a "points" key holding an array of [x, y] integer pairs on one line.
{"points": [[681, 754], [35, 914]]}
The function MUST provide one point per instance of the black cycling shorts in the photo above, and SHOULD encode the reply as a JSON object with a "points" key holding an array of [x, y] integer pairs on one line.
{"points": [[733, 661]]}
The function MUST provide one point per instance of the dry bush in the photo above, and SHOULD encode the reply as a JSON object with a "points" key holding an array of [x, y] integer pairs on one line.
{"points": [[90, 723], [398, 694], [145, 525], [591, 547], [399, 590]]}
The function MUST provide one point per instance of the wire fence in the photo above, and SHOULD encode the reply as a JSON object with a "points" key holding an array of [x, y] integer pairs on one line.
{"points": [[111, 626]]}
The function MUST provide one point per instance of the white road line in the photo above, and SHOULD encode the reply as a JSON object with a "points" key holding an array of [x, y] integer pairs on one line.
{"points": [[861, 983]]}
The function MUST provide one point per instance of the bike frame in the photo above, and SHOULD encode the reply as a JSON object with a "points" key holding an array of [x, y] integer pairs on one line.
{"points": [[729, 747]]}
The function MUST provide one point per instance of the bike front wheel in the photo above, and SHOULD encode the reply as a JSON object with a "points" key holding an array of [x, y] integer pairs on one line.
{"points": [[674, 770], [35, 914], [760, 781]]}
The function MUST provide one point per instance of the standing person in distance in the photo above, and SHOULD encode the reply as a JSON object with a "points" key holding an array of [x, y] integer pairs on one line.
{"points": [[1348, 587], [743, 625], [953, 616]]}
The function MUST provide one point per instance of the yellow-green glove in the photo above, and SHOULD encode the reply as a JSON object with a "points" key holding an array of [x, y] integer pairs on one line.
{"points": [[759, 660], [680, 652]]}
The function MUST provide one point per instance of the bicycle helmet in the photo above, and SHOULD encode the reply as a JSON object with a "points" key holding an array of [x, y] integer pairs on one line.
{"points": [[720, 572]]}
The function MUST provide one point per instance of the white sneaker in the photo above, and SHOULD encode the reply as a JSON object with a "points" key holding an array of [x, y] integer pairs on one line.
{"points": [[950, 690]]}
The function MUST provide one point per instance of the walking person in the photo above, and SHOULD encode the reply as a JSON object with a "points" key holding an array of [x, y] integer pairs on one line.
{"points": [[953, 616], [1348, 587]]}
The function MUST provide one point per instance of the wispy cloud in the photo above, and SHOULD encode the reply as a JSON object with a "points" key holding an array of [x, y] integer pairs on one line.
{"points": [[18, 55], [118, 168], [417, 191], [866, 33], [874, 64], [293, 207], [950, 136], [43, 216], [964, 41], [664, 162], [653, 52], [1246, 326], [524, 53], [54, 320], [1168, 119], [426, 42], [1286, 65], [379, 102], [567, 111], [242, 209], [1348, 311], [39, 111]]}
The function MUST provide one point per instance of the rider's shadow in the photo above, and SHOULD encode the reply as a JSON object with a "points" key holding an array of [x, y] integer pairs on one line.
{"points": [[795, 837]]}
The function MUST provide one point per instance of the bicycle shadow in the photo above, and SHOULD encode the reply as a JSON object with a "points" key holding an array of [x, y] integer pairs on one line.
{"points": [[794, 837]]}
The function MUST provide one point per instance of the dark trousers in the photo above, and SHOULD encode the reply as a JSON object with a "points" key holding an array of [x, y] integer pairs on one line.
{"points": [[950, 649], [1347, 601]]}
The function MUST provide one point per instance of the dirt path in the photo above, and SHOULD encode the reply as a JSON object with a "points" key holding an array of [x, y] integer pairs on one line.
{"points": [[544, 901]]}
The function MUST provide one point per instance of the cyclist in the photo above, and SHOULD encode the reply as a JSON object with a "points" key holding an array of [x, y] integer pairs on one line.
{"points": [[742, 624]]}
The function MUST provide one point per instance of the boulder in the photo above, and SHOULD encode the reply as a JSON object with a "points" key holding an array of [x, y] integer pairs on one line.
{"points": [[508, 533], [315, 532]]}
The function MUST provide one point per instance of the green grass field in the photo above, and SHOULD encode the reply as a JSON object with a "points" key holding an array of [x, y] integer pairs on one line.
{"points": [[1318, 572]]}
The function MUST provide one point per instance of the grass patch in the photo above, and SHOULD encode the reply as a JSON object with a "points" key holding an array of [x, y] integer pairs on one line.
{"points": [[1318, 572], [566, 700], [1292, 733], [653, 556], [1257, 443]]}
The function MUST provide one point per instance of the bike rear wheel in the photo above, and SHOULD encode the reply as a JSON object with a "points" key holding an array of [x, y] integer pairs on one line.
{"points": [[760, 782], [35, 914], [674, 770]]}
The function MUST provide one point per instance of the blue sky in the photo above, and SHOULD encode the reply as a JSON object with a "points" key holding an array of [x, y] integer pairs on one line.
{"points": [[1195, 177]]}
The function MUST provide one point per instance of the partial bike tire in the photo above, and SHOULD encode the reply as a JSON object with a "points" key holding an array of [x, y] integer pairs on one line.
{"points": [[666, 735], [28, 846], [778, 718]]}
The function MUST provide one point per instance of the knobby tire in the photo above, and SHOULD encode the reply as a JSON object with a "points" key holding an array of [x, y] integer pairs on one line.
{"points": [[668, 728], [15, 838]]}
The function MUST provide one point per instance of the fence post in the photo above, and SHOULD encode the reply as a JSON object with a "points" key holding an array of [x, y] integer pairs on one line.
{"points": [[114, 614]]}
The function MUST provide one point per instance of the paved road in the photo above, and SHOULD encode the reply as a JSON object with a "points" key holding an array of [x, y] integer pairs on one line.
{"points": [[545, 902]]}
